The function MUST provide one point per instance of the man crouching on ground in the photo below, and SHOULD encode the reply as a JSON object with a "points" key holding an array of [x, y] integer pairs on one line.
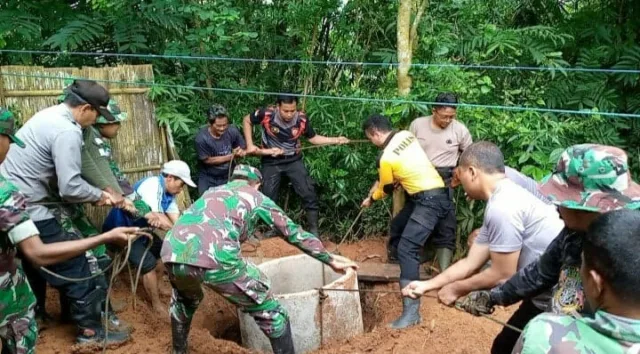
{"points": [[204, 248]]}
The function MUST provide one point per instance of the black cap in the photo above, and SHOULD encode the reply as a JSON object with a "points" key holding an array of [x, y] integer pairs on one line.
{"points": [[94, 94]]}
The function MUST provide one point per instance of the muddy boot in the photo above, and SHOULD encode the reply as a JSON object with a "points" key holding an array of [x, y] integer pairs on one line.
{"points": [[444, 256], [284, 343], [180, 334], [312, 222], [86, 314], [410, 311]]}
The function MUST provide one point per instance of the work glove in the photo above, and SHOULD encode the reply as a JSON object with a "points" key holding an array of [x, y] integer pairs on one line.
{"points": [[476, 303]]}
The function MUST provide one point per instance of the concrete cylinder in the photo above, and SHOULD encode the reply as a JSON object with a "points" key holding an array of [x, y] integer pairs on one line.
{"points": [[314, 321]]}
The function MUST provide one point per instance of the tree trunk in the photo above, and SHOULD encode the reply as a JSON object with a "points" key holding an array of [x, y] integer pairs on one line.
{"points": [[404, 80], [404, 47], [407, 33]]}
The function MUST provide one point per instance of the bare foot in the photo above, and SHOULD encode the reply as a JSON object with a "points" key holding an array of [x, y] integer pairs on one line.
{"points": [[165, 292], [161, 310]]}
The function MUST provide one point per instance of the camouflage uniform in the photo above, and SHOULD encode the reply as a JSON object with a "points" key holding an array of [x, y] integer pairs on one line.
{"points": [[18, 328], [204, 248], [602, 333], [587, 177]]}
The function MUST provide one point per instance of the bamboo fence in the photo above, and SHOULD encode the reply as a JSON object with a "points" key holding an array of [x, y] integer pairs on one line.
{"points": [[141, 146]]}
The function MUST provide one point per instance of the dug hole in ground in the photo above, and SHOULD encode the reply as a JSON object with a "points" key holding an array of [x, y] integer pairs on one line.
{"points": [[215, 327]]}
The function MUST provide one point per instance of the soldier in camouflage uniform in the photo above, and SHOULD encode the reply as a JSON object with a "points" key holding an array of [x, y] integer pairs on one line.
{"points": [[18, 329], [588, 180], [204, 248], [611, 281]]}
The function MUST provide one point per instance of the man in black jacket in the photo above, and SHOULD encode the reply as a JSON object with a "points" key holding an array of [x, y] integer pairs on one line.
{"points": [[588, 180]]}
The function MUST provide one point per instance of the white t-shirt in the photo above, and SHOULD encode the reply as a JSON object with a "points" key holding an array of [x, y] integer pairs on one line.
{"points": [[515, 219], [152, 191]]}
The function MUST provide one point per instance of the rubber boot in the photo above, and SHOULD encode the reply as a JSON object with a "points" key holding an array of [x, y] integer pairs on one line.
{"points": [[444, 256], [86, 314], [284, 343], [410, 311], [180, 336], [65, 310], [312, 222], [392, 254]]}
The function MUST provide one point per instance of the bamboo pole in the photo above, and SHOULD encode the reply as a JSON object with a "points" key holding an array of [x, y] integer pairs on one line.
{"points": [[46, 93], [142, 169]]}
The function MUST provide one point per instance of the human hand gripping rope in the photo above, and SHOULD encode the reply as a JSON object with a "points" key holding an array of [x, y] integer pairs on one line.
{"points": [[118, 264], [282, 152], [460, 304]]}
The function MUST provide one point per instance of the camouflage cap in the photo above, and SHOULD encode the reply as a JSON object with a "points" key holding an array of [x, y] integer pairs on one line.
{"points": [[114, 109], [248, 172], [593, 178], [8, 126]]}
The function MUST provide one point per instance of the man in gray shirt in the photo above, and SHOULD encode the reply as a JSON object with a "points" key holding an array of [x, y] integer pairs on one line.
{"points": [[517, 228], [47, 170], [443, 138]]}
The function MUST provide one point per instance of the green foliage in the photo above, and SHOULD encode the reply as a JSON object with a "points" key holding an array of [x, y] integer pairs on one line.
{"points": [[577, 33], [80, 31]]}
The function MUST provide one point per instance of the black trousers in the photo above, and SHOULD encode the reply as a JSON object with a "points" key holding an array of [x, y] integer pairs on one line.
{"points": [[506, 339], [297, 173], [76, 293], [423, 214], [206, 181]]}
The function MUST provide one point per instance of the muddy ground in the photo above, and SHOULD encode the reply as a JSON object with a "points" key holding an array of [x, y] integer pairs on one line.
{"points": [[215, 327]]}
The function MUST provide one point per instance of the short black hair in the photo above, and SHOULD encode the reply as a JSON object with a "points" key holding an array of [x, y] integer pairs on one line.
{"points": [[377, 122], [287, 99], [611, 247], [484, 155], [445, 99]]}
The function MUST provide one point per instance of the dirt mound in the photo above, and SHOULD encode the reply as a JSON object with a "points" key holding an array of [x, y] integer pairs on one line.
{"points": [[215, 327]]}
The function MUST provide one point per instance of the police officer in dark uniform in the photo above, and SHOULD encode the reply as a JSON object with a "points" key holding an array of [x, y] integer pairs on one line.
{"points": [[282, 128]]}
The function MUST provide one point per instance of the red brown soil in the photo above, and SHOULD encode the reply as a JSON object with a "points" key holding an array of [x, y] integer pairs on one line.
{"points": [[215, 326]]}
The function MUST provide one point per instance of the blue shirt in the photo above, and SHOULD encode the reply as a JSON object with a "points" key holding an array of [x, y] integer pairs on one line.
{"points": [[151, 190]]}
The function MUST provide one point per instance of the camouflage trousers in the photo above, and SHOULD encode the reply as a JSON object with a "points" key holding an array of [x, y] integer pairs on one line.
{"points": [[74, 221], [250, 291], [18, 328]]}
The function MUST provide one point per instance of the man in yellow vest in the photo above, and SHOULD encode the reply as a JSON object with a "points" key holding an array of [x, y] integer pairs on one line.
{"points": [[427, 210]]}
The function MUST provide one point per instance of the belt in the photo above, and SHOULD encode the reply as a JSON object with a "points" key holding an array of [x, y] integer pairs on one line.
{"points": [[430, 193], [445, 172]]}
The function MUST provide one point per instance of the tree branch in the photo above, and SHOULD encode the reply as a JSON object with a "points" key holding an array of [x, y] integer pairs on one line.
{"points": [[416, 22]]}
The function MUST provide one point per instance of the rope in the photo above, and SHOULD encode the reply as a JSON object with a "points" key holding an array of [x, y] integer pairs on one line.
{"points": [[357, 141], [356, 99], [504, 324], [349, 230], [326, 62], [119, 262]]}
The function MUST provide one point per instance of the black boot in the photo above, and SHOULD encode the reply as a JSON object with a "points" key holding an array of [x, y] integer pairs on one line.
{"points": [[86, 314], [65, 309], [312, 222], [180, 336], [410, 311], [284, 343]]}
